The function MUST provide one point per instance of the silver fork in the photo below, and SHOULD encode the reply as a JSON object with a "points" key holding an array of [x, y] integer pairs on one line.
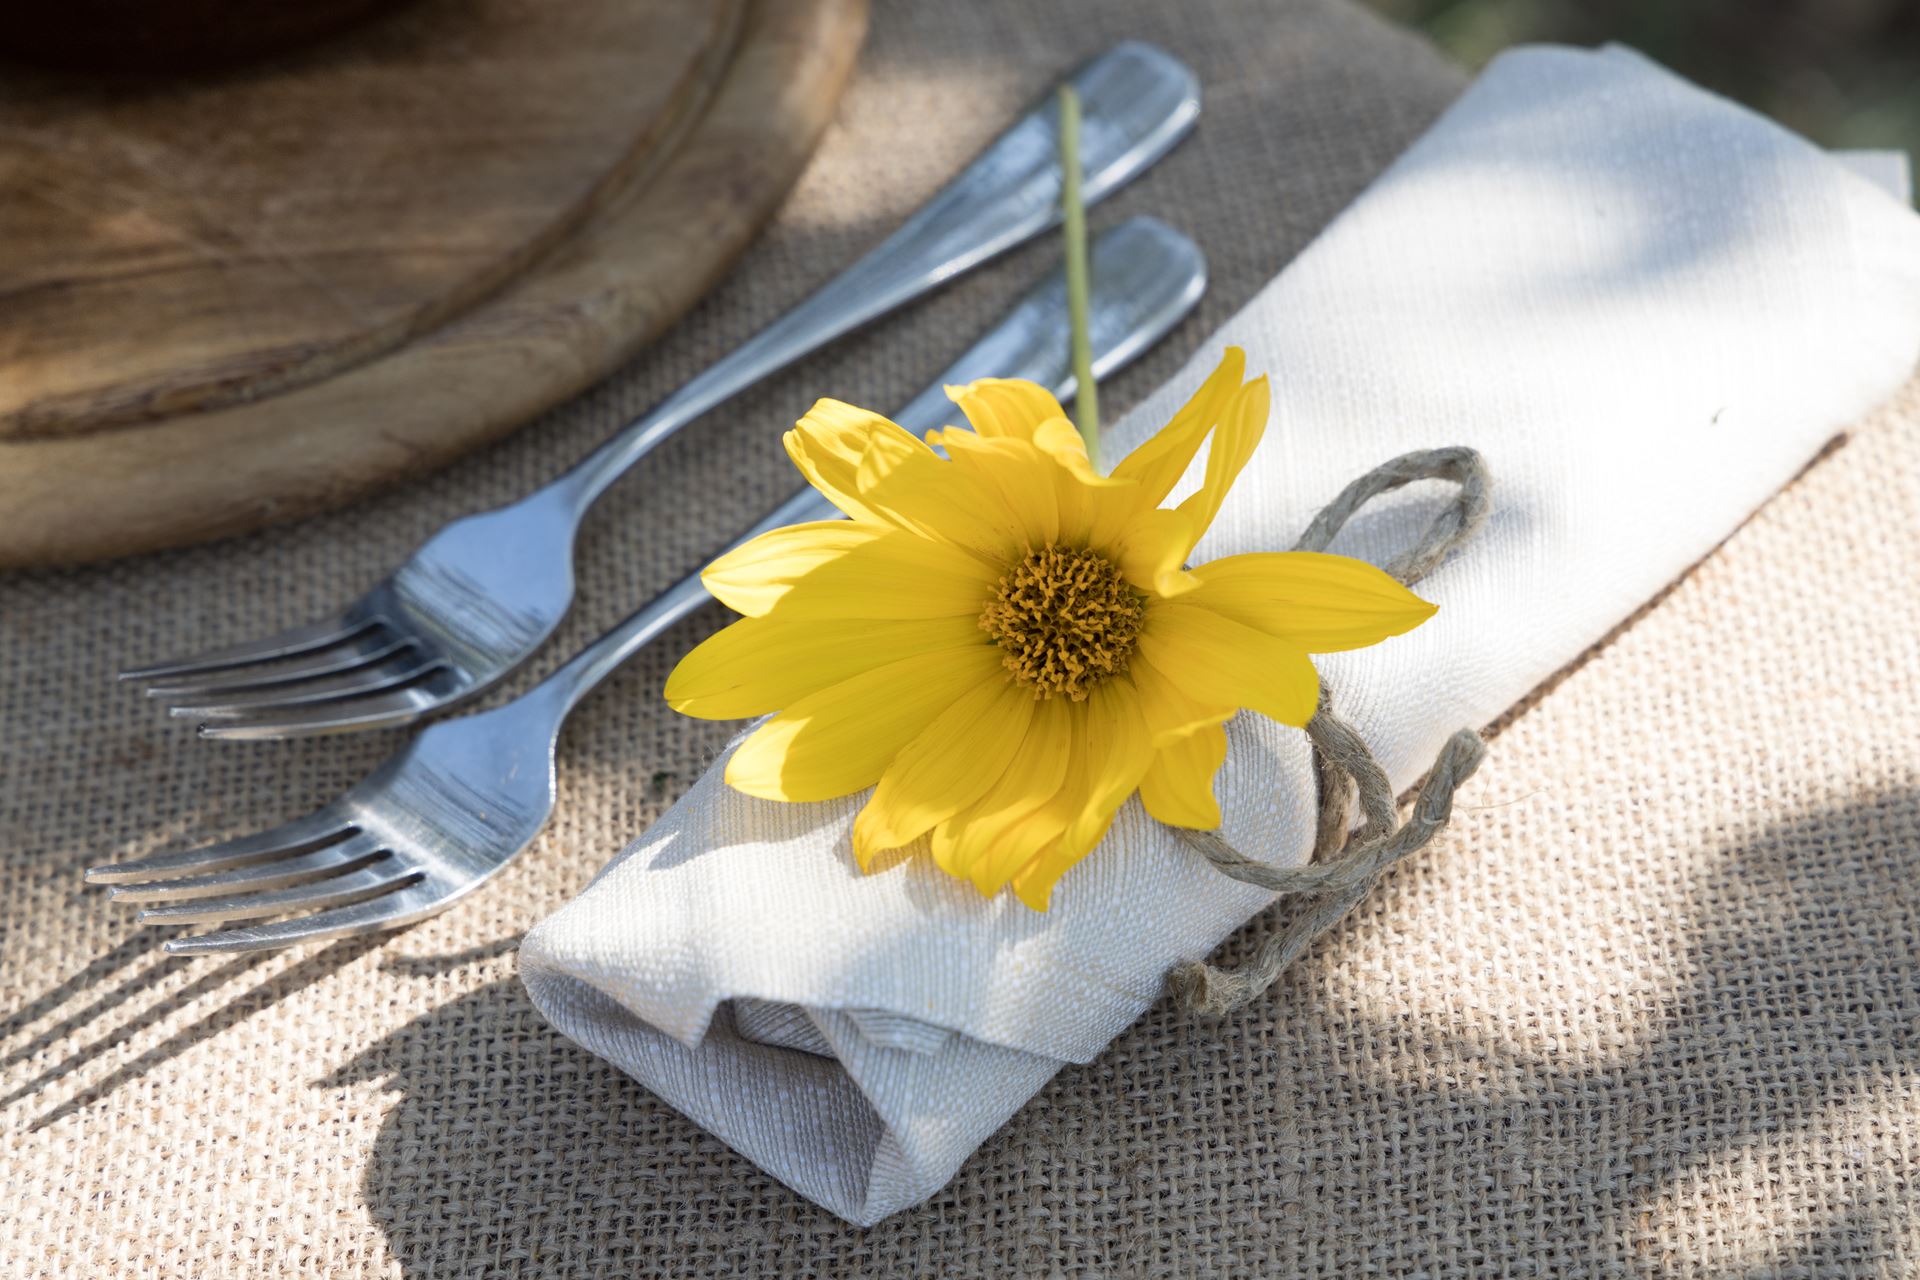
{"points": [[480, 596], [447, 812]]}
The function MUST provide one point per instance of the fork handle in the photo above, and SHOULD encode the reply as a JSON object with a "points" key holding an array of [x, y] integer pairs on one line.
{"points": [[1146, 277], [1137, 102]]}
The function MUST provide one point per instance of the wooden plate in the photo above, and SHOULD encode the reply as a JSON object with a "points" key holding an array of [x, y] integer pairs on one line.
{"points": [[437, 284]]}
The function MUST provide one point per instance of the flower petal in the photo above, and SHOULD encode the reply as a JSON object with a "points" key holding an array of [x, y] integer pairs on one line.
{"points": [[876, 471], [1215, 660], [1152, 550], [1323, 603], [909, 484], [1118, 756], [948, 766], [1079, 507], [1170, 713], [1178, 786], [849, 569], [827, 444], [1010, 407], [1060, 440], [1164, 457], [1241, 425], [1014, 471], [1032, 779], [1092, 507], [841, 739], [762, 664], [1018, 840]]}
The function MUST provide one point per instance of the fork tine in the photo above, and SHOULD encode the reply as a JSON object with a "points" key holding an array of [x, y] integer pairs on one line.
{"points": [[335, 891], [285, 644], [315, 830], [305, 693], [385, 912], [330, 660], [377, 711], [331, 859]]}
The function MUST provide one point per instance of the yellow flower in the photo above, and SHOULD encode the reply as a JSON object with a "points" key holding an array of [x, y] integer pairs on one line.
{"points": [[1005, 644]]}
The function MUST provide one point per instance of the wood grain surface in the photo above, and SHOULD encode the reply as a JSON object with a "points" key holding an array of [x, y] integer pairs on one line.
{"points": [[173, 245], [455, 363]]}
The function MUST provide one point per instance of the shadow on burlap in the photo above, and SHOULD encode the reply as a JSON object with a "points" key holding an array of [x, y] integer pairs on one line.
{"points": [[1648, 1008]]}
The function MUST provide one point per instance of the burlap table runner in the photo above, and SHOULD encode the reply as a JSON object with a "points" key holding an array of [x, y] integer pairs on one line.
{"points": [[1649, 1007]]}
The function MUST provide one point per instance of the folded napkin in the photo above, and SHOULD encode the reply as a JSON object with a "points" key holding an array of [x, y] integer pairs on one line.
{"points": [[1644, 305]]}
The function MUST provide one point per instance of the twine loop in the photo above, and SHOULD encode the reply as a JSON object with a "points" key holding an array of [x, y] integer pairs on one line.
{"points": [[1346, 862]]}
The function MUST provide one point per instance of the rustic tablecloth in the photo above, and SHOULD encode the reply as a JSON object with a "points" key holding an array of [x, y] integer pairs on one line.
{"points": [[1653, 1005]]}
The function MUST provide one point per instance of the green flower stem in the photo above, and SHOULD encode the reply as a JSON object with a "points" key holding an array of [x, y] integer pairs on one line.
{"points": [[1086, 395]]}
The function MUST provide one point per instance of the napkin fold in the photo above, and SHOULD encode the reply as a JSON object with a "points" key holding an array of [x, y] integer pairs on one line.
{"points": [[1646, 306]]}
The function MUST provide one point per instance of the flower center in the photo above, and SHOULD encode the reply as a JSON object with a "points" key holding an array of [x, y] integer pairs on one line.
{"points": [[1065, 621]]}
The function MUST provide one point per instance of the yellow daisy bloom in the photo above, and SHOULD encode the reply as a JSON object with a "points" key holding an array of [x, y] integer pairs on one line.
{"points": [[1005, 644]]}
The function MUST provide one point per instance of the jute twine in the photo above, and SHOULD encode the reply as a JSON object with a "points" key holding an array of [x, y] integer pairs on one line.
{"points": [[1347, 862]]}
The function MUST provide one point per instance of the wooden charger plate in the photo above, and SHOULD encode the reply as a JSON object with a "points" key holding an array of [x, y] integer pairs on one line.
{"points": [[236, 300]]}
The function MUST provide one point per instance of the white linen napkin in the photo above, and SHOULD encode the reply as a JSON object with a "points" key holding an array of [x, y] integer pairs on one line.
{"points": [[1646, 306]]}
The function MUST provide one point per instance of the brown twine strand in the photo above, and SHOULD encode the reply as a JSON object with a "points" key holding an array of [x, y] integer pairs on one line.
{"points": [[1346, 863]]}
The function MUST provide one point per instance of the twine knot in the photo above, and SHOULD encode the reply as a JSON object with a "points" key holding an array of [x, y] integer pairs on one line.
{"points": [[1346, 862]]}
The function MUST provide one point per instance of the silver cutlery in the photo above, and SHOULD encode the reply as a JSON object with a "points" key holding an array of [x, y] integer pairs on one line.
{"points": [[481, 595], [467, 795], [453, 807]]}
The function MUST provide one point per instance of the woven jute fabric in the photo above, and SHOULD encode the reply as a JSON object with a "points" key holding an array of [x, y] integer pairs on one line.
{"points": [[1649, 1007]]}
